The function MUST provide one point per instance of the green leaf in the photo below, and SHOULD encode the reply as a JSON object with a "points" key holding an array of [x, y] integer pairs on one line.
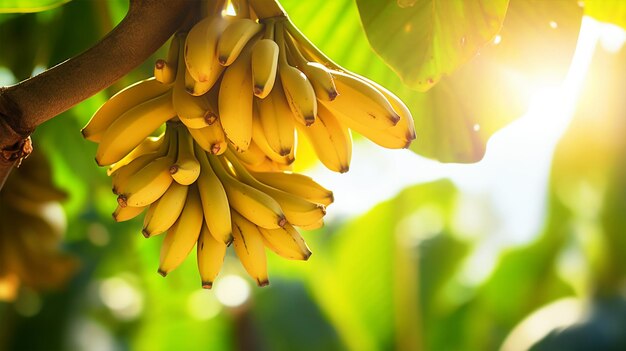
{"points": [[611, 11], [429, 38], [24, 6]]}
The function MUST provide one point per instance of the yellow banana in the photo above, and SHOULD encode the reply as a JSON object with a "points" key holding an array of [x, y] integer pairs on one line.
{"points": [[264, 66], [259, 138], [297, 184], [312, 226], [210, 254], [234, 38], [286, 242], [277, 121], [119, 103], [298, 210], [193, 111], [148, 145], [236, 101], [362, 102], [330, 139], [254, 156], [250, 249], [211, 138], [165, 70], [164, 212], [122, 214], [252, 203], [183, 235], [132, 127], [201, 49], [214, 200], [187, 168]]}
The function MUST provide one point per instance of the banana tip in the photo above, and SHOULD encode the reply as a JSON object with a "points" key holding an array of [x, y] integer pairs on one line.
{"points": [[210, 118], [284, 152], [307, 255], [145, 233], [160, 64], [263, 282], [122, 200], [162, 272], [344, 169], [207, 285], [173, 169], [282, 221], [222, 60], [332, 95]]}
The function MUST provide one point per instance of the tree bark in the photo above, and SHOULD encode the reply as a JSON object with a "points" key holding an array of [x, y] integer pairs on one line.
{"points": [[24, 106]]}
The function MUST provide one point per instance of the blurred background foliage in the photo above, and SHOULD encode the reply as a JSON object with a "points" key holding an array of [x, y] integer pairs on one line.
{"points": [[401, 275]]}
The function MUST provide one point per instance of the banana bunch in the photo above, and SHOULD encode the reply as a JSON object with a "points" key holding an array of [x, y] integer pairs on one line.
{"points": [[234, 92], [31, 229]]}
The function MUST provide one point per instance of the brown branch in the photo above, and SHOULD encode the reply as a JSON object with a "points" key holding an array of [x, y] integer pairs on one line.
{"points": [[24, 106]]}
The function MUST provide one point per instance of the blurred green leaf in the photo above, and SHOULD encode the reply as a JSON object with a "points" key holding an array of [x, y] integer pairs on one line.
{"points": [[611, 11], [23, 6], [427, 39]]}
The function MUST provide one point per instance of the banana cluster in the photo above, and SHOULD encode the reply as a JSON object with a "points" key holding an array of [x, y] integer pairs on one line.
{"points": [[234, 93], [31, 228]]}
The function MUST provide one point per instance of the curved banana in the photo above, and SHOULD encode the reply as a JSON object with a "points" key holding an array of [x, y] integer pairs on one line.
{"points": [[297, 184], [259, 138], [330, 139], [252, 203], [164, 212], [201, 49], [254, 156], [277, 121], [122, 214], [214, 200], [210, 254], [165, 70], [236, 100], [211, 138], [148, 145], [264, 66], [132, 127], [286, 242], [249, 247], [238, 33], [187, 168], [183, 235], [193, 111], [119, 103]]}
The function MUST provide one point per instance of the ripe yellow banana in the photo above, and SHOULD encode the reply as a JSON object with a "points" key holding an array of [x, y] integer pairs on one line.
{"points": [[330, 139], [211, 138], [201, 49], [249, 247], [210, 254], [214, 200], [193, 111], [148, 145], [277, 121], [236, 101], [183, 235], [259, 138], [122, 214], [234, 38], [164, 212], [252, 203], [119, 103], [297, 184], [165, 70], [254, 156], [264, 66], [187, 168], [286, 242], [132, 127]]}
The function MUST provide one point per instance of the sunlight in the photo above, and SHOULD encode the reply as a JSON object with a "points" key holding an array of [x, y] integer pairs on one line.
{"points": [[122, 298], [232, 290]]}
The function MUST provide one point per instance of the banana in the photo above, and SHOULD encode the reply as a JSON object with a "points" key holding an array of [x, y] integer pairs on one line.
{"points": [[148, 145], [298, 210], [187, 168], [210, 254], [249, 247], [252, 203], [183, 235], [211, 138], [165, 70], [330, 139], [296, 85], [238, 33], [122, 214], [277, 121], [150, 182], [193, 111], [264, 66], [297, 184], [201, 49], [362, 102], [286, 242], [259, 138], [312, 226], [254, 156], [119, 103], [214, 200], [236, 101], [164, 212], [132, 127]]}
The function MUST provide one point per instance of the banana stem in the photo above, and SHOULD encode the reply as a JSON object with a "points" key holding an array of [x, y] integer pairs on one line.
{"points": [[267, 9], [294, 51], [279, 37], [24, 106]]}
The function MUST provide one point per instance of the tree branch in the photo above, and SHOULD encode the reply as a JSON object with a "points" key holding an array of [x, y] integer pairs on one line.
{"points": [[24, 106]]}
